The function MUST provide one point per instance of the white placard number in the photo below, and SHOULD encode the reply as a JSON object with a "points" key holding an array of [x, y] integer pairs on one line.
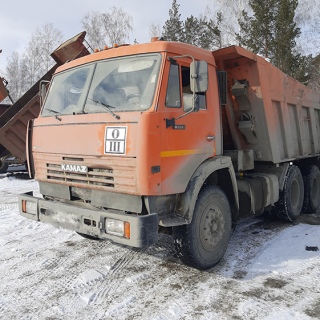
{"points": [[115, 140]]}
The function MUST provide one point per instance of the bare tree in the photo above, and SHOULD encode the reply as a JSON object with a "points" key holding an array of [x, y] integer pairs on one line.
{"points": [[96, 33], [107, 28], [308, 19], [36, 60], [13, 75], [118, 25], [48, 38], [230, 12], [155, 30], [314, 72], [23, 70]]}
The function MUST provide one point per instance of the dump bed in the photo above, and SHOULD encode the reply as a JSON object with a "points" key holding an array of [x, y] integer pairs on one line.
{"points": [[14, 121], [267, 111]]}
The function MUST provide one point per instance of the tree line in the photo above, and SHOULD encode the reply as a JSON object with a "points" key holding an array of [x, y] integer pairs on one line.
{"points": [[279, 30]]}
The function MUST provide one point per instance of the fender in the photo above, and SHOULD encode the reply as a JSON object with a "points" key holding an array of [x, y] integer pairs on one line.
{"points": [[218, 170]]}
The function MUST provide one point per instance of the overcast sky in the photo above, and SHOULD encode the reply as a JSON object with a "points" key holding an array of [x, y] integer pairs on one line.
{"points": [[19, 19]]}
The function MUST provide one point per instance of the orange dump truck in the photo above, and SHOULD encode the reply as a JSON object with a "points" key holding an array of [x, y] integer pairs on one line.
{"points": [[135, 139]]}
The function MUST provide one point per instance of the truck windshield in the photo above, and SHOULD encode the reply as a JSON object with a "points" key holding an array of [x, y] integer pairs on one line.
{"points": [[120, 84]]}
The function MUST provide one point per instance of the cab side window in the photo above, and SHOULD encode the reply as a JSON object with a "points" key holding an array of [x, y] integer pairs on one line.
{"points": [[173, 99], [200, 98]]}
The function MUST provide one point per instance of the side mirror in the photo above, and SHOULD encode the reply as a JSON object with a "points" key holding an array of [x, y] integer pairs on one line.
{"points": [[43, 90], [199, 76]]}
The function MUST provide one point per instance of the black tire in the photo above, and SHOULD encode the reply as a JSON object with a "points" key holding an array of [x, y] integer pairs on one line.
{"points": [[87, 236], [203, 243], [3, 166], [311, 180], [291, 198]]}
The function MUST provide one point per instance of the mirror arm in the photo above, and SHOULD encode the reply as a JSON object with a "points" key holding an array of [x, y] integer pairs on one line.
{"points": [[194, 76]]}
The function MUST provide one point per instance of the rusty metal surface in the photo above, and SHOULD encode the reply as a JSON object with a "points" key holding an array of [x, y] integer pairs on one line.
{"points": [[13, 122], [4, 107], [3, 90], [71, 49]]}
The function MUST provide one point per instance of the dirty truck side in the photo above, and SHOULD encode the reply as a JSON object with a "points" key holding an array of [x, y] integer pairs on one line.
{"points": [[135, 139]]}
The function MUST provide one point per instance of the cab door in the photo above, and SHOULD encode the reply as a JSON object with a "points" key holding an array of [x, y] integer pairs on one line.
{"points": [[188, 128]]}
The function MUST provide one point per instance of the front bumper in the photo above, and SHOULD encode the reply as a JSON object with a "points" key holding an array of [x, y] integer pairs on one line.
{"points": [[84, 218]]}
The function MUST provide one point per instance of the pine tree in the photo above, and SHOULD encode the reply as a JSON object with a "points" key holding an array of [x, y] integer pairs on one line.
{"points": [[173, 28], [272, 32], [191, 27], [210, 37], [286, 32], [201, 32], [257, 32]]}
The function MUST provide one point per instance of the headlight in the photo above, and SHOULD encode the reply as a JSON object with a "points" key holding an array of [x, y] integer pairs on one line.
{"points": [[118, 228]]}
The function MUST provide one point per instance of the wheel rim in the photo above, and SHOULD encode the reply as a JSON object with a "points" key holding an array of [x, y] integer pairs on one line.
{"points": [[211, 227], [295, 194], [315, 190]]}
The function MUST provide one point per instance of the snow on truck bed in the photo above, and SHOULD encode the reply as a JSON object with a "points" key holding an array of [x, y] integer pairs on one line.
{"points": [[48, 273]]}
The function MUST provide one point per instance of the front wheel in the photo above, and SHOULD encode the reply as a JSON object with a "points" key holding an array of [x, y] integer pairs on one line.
{"points": [[203, 243]]}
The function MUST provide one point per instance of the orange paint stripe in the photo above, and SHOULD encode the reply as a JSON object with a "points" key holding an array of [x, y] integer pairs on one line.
{"points": [[178, 153]]}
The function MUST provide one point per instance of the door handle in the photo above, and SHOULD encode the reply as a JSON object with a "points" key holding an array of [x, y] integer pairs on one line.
{"points": [[210, 138]]}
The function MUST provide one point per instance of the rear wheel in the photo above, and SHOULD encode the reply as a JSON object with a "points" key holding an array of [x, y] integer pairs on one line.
{"points": [[290, 201], [311, 180], [203, 243]]}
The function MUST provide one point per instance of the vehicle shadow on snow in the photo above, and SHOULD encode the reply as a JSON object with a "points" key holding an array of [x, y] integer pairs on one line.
{"points": [[251, 238], [313, 219], [246, 243]]}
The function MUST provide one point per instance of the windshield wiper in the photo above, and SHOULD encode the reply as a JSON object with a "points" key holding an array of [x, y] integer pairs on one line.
{"points": [[54, 113], [107, 107]]}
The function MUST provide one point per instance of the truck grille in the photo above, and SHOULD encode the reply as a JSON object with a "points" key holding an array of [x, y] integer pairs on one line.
{"points": [[104, 173], [98, 177]]}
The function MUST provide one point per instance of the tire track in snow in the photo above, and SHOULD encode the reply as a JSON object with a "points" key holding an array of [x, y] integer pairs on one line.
{"points": [[130, 269], [52, 275], [115, 275], [137, 259]]}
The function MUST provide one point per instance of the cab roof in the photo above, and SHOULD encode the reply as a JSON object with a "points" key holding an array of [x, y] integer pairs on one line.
{"points": [[176, 48]]}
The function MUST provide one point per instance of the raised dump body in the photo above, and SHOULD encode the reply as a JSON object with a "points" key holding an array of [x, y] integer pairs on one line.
{"points": [[4, 107], [3, 90], [13, 123], [268, 111]]}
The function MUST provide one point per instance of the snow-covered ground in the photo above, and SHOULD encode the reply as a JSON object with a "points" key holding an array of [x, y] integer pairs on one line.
{"points": [[47, 273]]}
